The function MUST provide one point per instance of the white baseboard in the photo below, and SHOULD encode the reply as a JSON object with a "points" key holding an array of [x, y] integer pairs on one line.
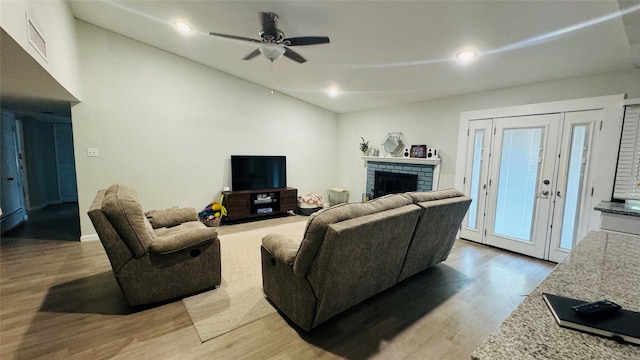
{"points": [[92, 237]]}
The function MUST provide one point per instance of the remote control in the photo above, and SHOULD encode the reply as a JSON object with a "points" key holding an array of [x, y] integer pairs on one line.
{"points": [[596, 308]]}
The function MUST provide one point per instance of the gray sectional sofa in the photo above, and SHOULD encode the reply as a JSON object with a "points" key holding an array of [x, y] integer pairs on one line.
{"points": [[353, 251]]}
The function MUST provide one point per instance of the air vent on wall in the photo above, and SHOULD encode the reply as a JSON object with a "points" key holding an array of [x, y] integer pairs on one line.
{"points": [[36, 39]]}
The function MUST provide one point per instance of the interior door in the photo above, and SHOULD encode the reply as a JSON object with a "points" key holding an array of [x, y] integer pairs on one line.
{"points": [[476, 179], [12, 196], [520, 183], [65, 160]]}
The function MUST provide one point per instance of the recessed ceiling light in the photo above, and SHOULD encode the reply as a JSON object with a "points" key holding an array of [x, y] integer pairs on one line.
{"points": [[183, 27], [466, 55], [333, 92]]}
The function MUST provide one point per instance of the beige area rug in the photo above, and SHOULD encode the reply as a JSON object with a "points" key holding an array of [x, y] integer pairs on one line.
{"points": [[239, 299]]}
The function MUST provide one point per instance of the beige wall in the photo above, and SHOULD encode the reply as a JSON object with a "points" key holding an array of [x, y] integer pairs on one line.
{"points": [[167, 126], [56, 24], [435, 123]]}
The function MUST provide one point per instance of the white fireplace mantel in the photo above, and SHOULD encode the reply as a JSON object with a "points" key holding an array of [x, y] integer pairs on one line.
{"points": [[409, 160], [402, 160]]}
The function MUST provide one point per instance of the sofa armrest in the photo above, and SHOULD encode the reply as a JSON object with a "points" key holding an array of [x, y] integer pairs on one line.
{"points": [[171, 217], [281, 247], [176, 242]]}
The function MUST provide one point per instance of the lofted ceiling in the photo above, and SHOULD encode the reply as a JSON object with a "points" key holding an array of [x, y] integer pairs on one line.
{"points": [[389, 52], [385, 53]]}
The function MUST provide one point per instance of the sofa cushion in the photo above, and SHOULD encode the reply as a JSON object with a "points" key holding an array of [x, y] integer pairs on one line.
{"points": [[419, 197], [177, 241], [318, 223], [171, 217], [281, 248], [124, 211], [185, 226], [435, 233], [360, 257]]}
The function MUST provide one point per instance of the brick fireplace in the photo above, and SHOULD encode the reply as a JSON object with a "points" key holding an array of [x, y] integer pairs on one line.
{"points": [[425, 171]]}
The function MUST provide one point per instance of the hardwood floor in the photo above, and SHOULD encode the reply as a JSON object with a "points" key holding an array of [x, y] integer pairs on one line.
{"points": [[59, 299]]}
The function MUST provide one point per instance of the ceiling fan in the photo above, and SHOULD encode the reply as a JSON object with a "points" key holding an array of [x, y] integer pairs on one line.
{"points": [[272, 42]]}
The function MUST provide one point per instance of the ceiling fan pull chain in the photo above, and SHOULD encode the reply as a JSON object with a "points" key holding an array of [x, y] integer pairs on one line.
{"points": [[271, 76]]}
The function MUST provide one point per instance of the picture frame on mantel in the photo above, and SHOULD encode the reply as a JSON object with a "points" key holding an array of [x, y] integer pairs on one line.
{"points": [[418, 151]]}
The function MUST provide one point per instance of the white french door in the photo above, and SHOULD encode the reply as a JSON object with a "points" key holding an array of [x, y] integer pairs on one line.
{"points": [[527, 178], [523, 165]]}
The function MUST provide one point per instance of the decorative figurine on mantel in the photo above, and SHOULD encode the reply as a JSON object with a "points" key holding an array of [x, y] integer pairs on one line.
{"points": [[393, 145], [364, 147]]}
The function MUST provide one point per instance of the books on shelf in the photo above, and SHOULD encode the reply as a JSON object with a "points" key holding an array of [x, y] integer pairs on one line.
{"points": [[620, 325]]}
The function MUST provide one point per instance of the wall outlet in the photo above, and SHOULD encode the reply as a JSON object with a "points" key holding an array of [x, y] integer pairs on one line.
{"points": [[92, 152]]}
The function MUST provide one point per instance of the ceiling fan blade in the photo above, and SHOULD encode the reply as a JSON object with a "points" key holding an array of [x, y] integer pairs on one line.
{"points": [[235, 37], [306, 40], [253, 54], [269, 23], [294, 55]]}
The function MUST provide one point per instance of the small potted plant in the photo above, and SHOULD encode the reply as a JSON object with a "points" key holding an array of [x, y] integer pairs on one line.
{"points": [[364, 146]]}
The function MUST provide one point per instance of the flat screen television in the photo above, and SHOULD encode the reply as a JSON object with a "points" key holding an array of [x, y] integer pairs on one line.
{"points": [[257, 172]]}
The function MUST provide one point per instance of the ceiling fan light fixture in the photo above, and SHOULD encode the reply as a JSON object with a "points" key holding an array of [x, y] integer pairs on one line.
{"points": [[183, 27], [466, 55], [272, 51]]}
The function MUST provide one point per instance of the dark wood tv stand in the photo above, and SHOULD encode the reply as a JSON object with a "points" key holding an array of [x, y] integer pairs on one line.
{"points": [[255, 204]]}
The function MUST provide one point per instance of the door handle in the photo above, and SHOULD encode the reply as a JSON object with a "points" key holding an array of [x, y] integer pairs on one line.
{"points": [[544, 194], [10, 179], [558, 193]]}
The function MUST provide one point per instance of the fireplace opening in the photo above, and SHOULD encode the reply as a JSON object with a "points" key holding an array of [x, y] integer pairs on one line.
{"points": [[393, 183]]}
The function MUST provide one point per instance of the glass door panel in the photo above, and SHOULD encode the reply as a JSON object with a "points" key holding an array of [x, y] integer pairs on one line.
{"points": [[574, 186], [477, 169], [517, 179], [474, 179]]}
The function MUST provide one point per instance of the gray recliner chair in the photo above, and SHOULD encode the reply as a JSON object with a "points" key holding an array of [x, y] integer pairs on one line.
{"points": [[157, 255]]}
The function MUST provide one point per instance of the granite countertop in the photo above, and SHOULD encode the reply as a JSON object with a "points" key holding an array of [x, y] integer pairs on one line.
{"points": [[603, 265], [618, 208]]}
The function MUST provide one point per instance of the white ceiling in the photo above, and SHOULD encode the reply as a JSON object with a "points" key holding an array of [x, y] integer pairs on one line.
{"points": [[387, 52], [390, 52]]}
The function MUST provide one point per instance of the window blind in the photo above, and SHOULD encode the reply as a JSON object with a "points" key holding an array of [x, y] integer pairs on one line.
{"points": [[627, 184]]}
